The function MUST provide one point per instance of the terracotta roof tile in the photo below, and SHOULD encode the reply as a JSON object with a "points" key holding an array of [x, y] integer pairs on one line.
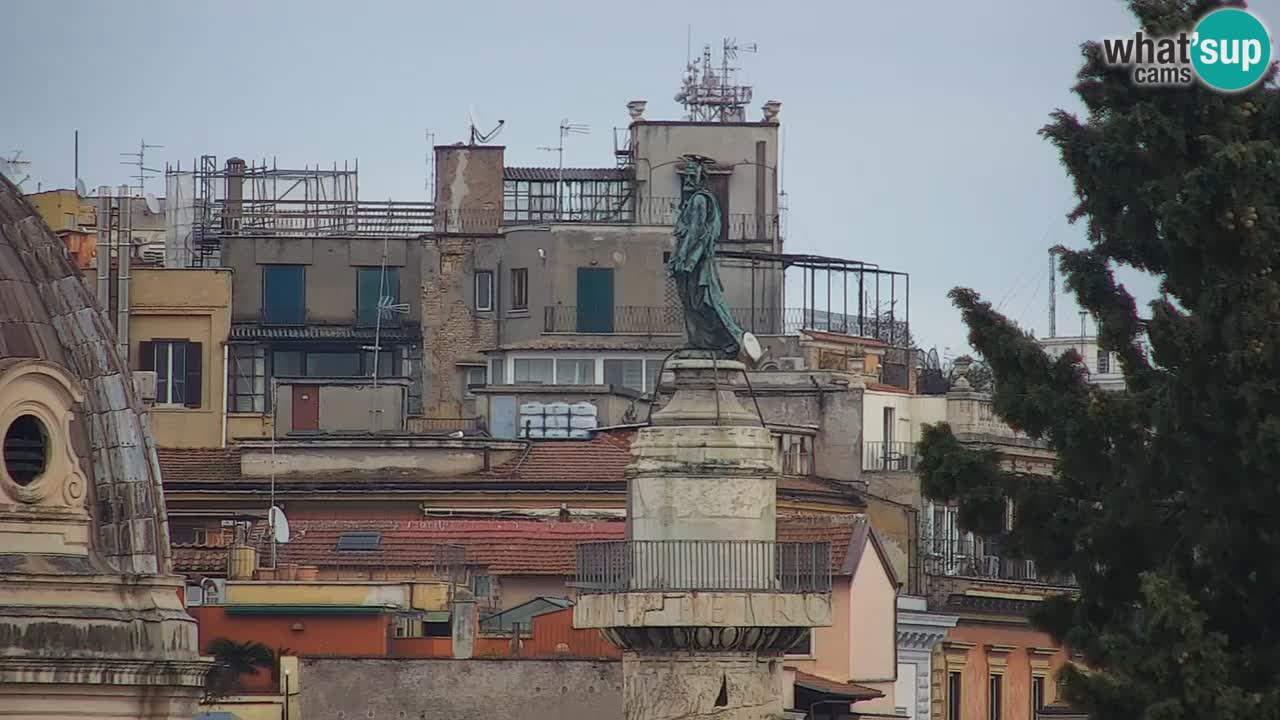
{"points": [[514, 547], [842, 690], [881, 387], [603, 458], [199, 559], [199, 464]]}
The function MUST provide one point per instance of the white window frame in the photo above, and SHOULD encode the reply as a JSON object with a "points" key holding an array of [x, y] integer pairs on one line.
{"points": [[652, 361], [483, 302], [164, 390], [467, 373], [593, 363]]}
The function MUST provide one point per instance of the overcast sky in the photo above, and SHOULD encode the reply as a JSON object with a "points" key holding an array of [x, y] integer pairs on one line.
{"points": [[910, 127]]}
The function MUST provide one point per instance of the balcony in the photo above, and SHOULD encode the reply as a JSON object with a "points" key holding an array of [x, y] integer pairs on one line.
{"points": [[669, 320], [746, 566], [981, 559], [880, 456], [659, 211]]}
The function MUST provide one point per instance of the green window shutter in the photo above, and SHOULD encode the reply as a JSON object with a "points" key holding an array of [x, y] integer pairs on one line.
{"points": [[595, 300]]}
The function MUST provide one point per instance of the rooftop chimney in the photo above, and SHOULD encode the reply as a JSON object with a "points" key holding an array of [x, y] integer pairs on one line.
{"points": [[636, 108]]}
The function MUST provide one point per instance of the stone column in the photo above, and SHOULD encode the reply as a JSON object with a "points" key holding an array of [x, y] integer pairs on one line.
{"points": [[700, 598]]}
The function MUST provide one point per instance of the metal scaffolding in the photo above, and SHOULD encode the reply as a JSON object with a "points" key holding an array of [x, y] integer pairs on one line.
{"points": [[207, 204], [849, 297]]}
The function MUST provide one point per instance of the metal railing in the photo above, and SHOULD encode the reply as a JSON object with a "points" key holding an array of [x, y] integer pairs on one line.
{"points": [[880, 456], [624, 320], [669, 320], [424, 425], [661, 211], [981, 558], [317, 218], [707, 565]]}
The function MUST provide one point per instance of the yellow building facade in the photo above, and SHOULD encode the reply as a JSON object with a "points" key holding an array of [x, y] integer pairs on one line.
{"points": [[179, 322]]}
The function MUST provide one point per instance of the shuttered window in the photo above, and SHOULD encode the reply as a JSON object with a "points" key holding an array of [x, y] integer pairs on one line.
{"points": [[284, 298], [178, 365]]}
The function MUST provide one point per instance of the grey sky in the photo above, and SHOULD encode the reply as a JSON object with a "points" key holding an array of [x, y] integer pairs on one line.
{"points": [[910, 127]]}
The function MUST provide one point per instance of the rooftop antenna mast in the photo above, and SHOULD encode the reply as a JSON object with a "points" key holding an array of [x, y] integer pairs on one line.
{"points": [[708, 93], [387, 308], [140, 162], [1053, 295], [15, 168], [566, 129]]}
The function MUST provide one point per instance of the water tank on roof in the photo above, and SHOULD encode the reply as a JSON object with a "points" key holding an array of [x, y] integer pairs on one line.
{"points": [[558, 408], [557, 433], [532, 408], [583, 408], [582, 422], [580, 434], [556, 421]]}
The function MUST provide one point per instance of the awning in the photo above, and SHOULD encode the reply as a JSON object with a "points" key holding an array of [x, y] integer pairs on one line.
{"points": [[836, 690]]}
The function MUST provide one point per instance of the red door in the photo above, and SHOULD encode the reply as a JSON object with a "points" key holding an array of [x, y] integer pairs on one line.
{"points": [[306, 408]]}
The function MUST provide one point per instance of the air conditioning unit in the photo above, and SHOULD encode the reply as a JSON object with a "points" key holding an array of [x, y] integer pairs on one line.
{"points": [[144, 383], [791, 363]]}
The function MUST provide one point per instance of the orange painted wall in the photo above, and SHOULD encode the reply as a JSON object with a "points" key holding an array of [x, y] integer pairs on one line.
{"points": [[1017, 676], [321, 635], [421, 647]]}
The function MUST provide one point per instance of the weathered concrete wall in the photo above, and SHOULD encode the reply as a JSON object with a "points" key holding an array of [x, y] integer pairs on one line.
{"points": [[330, 274], [345, 405], [476, 689], [453, 331], [830, 401], [685, 686]]}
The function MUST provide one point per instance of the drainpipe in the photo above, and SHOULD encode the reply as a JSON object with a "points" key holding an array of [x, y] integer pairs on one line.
{"points": [[125, 250], [226, 368], [104, 246]]}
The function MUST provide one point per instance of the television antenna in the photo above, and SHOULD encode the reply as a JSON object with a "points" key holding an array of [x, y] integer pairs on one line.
{"points": [[15, 168], [566, 129], [388, 308], [708, 93], [478, 137], [153, 204], [139, 161], [81, 189]]}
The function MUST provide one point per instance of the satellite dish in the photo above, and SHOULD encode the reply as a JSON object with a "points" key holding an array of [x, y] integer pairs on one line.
{"points": [[279, 524], [81, 190], [153, 205]]}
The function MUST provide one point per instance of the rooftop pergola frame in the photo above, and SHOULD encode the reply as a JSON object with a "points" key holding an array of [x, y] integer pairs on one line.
{"points": [[838, 295]]}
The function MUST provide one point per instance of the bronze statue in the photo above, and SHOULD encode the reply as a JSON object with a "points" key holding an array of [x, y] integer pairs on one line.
{"points": [[709, 324]]}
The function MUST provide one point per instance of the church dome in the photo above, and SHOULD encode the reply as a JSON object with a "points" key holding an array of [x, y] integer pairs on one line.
{"points": [[49, 317], [91, 619]]}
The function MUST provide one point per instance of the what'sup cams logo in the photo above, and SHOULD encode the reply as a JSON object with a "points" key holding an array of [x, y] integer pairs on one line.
{"points": [[1229, 50]]}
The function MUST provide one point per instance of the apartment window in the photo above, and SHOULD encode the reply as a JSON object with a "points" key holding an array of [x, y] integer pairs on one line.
{"points": [[497, 371], [484, 290], [481, 586], [580, 200], [333, 364], [803, 647], [1104, 361], [284, 293], [288, 363], [953, 696], [627, 373], [1037, 694], [177, 365], [575, 372], [247, 389], [519, 288], [995, 697], [534, 370], [371, 288], [473, 377]]}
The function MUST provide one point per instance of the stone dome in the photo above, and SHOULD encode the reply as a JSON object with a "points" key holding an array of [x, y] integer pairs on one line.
{"points": [[91, 619], [47, 314]]}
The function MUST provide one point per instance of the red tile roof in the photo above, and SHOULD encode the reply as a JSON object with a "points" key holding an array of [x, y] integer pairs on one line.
{"points": [[199, 464], [503, 547], [841, 690], [199, 559], [603, 458]]}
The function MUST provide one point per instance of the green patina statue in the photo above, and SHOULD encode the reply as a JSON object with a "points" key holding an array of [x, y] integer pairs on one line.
{"points": [[708, 322]]}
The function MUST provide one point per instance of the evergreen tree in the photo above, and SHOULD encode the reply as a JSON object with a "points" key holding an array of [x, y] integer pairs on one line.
{"points": [[1165, 502]]}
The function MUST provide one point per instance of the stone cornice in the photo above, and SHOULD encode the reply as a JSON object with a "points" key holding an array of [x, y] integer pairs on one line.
{"points": [[104, 671], [912, 639]]}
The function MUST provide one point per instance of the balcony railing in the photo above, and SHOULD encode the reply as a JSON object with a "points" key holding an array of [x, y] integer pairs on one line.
{"points": [[661, 211], [669, 320], [979, 558], [880, 456], [430, 425], [706, 565], [623, 320]]}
